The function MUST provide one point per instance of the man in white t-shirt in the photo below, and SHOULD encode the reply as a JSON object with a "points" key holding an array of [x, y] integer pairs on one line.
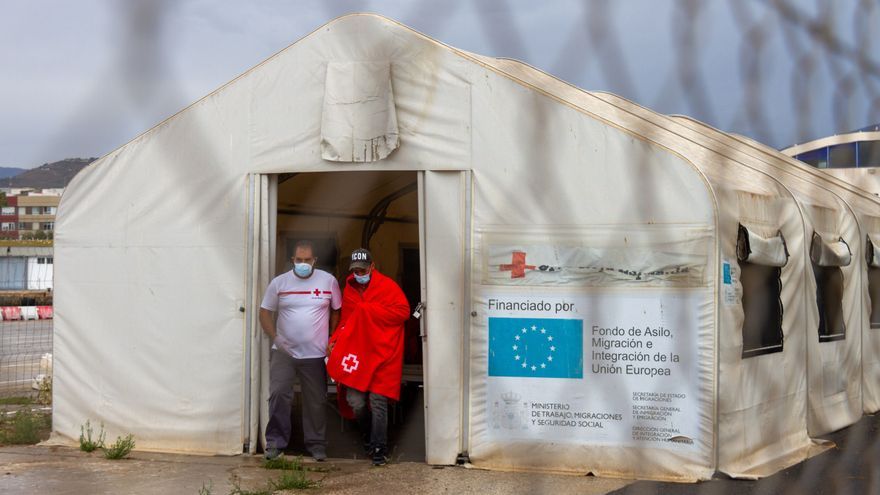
{"points": [[299, 310]]}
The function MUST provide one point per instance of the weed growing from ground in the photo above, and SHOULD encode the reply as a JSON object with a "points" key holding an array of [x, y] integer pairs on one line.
{"points": [[207, 490], [292, 480], [121, 448], [282, 463], [86, 443], [24, 427], [293, 477], [236, 490], [44, 393]]}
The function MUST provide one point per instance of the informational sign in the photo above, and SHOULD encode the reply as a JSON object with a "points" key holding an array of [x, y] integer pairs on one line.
{"points": [[595, 368], [728, 284]]}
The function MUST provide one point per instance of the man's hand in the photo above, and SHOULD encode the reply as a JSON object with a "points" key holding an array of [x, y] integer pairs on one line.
{"points": [[330, 348], [283, 344]]}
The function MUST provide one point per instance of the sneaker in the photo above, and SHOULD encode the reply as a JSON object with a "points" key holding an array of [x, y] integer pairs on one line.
{"points": [[379, 458], [272, 453], [319, 455]]}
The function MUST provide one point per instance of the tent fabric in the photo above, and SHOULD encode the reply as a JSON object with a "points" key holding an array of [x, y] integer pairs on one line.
{"points": [[761, 251], [833, 253], [359, 122], [556, 225]]}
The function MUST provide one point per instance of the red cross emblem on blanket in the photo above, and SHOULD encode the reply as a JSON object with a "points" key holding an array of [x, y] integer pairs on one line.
{"points": [[350, 363], [517, 266]]}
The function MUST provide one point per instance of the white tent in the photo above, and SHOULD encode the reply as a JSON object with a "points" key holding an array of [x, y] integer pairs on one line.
{"points": [[581, 264]]}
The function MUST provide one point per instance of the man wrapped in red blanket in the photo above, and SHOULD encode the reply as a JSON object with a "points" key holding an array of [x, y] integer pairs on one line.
{"points": [[366, 350]]}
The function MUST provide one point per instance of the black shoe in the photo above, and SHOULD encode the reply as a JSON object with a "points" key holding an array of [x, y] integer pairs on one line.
{"points": [[379, 458], [273, 453]]}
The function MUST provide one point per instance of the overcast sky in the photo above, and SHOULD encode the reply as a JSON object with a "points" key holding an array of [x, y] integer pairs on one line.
{"points": [[80, 78]]}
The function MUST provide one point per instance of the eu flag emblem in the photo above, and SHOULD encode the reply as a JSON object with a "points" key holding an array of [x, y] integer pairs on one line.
{"points": [[536, 347]]}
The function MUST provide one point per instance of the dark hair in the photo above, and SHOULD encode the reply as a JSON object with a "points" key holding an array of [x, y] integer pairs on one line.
{"points": [[304, 245]]}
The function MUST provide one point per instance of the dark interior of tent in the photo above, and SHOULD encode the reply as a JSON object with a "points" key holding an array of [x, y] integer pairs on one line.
{"points": [[339, 212]]}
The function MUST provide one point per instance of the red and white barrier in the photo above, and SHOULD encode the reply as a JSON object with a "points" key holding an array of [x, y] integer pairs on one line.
{"points": [[10, 313]]}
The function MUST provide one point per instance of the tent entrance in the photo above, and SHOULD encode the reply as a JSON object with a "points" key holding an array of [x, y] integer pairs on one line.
{"points": [[339, 212]]}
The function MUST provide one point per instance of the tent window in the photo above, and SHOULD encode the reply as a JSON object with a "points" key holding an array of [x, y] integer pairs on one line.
{"points": [[760, 263], [827, 258], [872, 252]]}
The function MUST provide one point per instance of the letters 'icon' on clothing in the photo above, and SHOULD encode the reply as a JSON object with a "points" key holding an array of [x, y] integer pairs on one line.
{"points": [[536, 347]]}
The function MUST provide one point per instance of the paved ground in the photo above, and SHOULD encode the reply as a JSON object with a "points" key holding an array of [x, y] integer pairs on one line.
{"points": [[65, 471], [851, 468]]}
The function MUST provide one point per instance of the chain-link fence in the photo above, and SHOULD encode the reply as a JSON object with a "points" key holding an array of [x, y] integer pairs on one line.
{"points": [[26, 326], [779, 71]]}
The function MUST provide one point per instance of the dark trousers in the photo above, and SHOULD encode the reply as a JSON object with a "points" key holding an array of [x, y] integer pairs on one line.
{"points": [[378, 425], [313, 380]]}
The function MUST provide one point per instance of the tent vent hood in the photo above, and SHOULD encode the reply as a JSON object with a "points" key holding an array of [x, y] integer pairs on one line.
{"points": [[359, 121], [755, 249], [829, 253]]}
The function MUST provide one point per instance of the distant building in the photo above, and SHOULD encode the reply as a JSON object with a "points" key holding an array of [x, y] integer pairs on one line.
{"points": [[36, 214], [853, 157], [9, 218], [29, 213], [857, 149], [26, 267]]}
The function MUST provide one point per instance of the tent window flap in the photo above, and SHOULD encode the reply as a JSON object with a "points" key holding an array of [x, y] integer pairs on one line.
{"points": [[760, 262], [872, 254], [758, 250], [827, 258], [359, 120]]}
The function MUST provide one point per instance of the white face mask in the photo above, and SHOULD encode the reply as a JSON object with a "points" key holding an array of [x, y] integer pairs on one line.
{"points": [[302, 269], [362, 279]]}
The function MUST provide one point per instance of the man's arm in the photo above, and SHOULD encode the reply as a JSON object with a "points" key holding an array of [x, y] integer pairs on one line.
{"points": [[267, 321], [334, 320]]}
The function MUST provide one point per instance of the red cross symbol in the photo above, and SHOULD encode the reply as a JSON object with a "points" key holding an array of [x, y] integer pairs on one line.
{"points": [[517, 265], [317, 293], [350, 363]]}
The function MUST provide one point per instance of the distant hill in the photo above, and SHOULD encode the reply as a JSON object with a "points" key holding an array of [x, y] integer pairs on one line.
{"points": [[48, 175], [10, 171]]}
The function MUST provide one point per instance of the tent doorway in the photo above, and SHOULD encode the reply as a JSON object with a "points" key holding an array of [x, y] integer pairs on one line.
{"points": [[339, 212]]}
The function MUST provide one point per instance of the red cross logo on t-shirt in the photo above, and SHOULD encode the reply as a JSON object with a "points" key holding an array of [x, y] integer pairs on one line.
{"points": [[317, 293], [517, 266]]}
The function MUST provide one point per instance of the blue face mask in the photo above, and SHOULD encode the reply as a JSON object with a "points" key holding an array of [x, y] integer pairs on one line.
{"points": [[302, 269], [362, 279]]}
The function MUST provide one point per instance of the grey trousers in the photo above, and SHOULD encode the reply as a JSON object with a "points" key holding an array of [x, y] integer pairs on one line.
{"points": [[378, 425], [313, 381]]}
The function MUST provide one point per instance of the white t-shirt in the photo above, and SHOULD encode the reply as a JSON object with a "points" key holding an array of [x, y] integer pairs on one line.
{"points": [[303, 307]]}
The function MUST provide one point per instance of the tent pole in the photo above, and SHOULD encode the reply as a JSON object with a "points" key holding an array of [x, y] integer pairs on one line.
{"points": [[466, 318], [249, 312]]}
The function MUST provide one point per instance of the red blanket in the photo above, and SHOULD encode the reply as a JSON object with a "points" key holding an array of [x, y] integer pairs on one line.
{"points": [[368, 342]]}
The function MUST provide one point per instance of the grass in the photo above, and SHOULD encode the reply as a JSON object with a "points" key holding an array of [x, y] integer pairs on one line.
{"points": [[44, 394], [86, 443], [282, 463], [293, 477], [120, 448], [207, 489], [16, 401], [25, 427], [292, 480], [236, 490]]}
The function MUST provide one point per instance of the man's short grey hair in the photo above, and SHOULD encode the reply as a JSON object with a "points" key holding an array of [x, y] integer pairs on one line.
{"points": [[305, 245]]}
